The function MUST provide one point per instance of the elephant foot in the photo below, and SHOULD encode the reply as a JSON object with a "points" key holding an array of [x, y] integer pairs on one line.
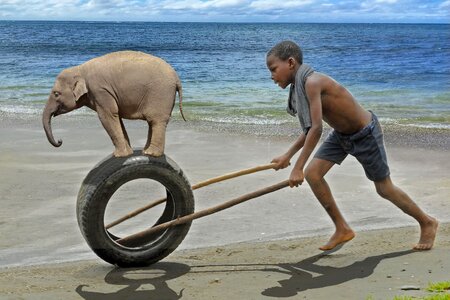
{"points": [[153, 151], [123, 152]]}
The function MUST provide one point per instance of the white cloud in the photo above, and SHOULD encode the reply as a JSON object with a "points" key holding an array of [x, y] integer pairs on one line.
{"points": [[277, 4], [197, 4], [386, 1], [227, 3], [383, 5], [229, 10], [445, 4]]}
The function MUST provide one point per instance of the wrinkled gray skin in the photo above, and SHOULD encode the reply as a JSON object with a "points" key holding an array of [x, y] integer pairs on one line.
{"points": [[126, 84]]}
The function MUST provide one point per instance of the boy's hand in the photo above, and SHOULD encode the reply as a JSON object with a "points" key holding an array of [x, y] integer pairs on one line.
{"points": [[296, 178], [281, 161]]}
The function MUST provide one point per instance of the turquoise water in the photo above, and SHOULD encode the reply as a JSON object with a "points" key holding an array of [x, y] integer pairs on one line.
{"points": [[401, 71]]}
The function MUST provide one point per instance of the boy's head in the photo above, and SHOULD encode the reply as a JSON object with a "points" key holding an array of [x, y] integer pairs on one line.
{"points": [[283, 61], [286, 49]]}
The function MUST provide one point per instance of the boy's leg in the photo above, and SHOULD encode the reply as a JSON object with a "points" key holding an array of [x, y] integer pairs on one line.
{"points": [[371, 153], [428, 224], [314, 175]]}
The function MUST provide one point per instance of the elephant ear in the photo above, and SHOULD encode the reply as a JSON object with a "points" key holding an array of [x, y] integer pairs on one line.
{"points": [[79, 89]]}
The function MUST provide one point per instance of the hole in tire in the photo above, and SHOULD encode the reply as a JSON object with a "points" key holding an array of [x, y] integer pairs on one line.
{"points": [[132, 196]]}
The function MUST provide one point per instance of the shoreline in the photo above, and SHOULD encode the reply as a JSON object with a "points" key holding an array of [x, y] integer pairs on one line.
{"points": [[394, 134]]}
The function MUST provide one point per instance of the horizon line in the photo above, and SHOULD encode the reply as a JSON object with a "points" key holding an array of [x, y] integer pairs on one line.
{"points": [[229, 22]]}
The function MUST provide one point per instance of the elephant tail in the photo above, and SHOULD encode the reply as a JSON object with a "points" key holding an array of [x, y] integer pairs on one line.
{"points": [[180, 96]]}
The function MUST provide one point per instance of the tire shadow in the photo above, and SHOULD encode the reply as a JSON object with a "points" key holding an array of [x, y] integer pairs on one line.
{"points": [[136, 281]]}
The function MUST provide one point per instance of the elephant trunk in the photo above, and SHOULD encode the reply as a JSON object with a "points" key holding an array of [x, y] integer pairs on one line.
{"points": [[49, 111]]}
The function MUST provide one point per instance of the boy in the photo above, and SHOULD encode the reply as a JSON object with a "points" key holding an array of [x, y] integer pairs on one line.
{"points": [[314, 96]]}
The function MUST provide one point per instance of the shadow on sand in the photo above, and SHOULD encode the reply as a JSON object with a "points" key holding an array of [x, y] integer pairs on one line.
{"points": [[136, 281], [300, 279]]}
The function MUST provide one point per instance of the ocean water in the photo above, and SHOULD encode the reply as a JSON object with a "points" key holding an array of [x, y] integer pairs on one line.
{"points": [[401, 71]]}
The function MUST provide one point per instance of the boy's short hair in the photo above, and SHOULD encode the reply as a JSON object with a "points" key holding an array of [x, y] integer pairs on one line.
{"points": [[286, 49]]}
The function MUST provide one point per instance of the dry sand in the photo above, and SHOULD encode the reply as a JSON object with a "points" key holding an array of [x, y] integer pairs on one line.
{"points": [[265, 248]]}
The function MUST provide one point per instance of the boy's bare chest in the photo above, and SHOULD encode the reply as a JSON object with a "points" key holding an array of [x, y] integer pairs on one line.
{"points": [[343, 113]]}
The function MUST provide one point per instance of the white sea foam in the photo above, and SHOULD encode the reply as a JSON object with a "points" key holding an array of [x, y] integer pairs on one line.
{"points": [[33, 110], [429, 125], [244, 120]]}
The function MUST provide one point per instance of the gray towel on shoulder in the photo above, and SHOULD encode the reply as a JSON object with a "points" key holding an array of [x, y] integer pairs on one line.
{"points": [[298, 102]]}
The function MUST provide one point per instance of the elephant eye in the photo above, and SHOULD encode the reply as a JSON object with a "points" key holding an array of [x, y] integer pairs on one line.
{"points": [[56, 94]]}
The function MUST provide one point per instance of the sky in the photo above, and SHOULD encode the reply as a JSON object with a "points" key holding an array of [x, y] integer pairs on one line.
{"points": [[376, 11]]}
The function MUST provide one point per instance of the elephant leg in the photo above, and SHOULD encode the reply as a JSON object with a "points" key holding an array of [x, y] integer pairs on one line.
{"points": [[155, 145], [113, 125], [149, 136], [124, 131]]}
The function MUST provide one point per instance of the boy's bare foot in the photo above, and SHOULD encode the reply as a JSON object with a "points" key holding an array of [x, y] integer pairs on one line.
{"points": [[427, 235], [338, 238]]}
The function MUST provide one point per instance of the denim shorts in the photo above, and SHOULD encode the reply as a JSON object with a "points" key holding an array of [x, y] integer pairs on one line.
{"points": [[366, 146]]}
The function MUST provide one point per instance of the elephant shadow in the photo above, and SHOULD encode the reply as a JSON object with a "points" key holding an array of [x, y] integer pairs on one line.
{"points": [[301, 279], [136, 281]]}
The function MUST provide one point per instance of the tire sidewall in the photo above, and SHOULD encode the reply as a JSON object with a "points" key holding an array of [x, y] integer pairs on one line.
{"points": [[108, 178]]}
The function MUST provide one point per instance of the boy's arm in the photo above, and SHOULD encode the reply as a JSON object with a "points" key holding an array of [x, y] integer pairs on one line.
{"points": [[313, 91], [283, 160]]}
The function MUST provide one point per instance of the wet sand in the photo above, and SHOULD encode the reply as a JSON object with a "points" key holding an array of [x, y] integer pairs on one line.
{"points": [[259, 247]]}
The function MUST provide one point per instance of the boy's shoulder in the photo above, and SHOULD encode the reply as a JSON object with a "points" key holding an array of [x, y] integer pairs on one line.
{"points": [[316, 81], [315, 78], [321, 81]]}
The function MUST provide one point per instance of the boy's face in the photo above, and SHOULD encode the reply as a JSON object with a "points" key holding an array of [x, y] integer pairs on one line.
{"points": [[282, 71]]}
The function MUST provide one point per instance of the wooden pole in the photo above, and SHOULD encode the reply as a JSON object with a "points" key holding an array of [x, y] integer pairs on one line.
{"points": [[136, 212], [232, 175], [205, 212], [194, 187]]}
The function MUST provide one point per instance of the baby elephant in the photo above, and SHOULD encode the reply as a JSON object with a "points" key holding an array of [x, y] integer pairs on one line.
{"points": [[125, 84]]}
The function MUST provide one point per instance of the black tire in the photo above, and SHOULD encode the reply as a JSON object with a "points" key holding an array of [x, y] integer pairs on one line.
{"points": [[105, 179]]}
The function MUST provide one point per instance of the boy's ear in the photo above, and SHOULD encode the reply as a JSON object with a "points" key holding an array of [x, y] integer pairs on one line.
{"points": [[292, 62]]}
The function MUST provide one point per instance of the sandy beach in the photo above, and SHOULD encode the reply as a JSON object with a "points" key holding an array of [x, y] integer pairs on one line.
{"points": [[264, 248]]}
